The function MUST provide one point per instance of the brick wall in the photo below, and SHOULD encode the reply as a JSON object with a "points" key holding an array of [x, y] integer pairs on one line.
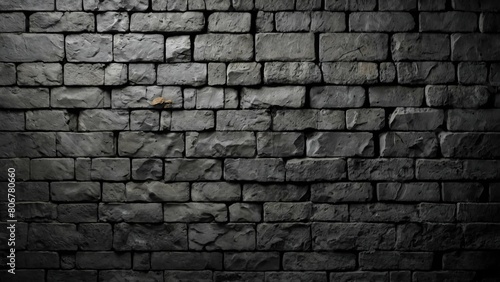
{"points": [[291, 140]]}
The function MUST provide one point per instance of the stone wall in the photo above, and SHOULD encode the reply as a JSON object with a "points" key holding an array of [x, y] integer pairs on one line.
{"points": [[241, 140]]}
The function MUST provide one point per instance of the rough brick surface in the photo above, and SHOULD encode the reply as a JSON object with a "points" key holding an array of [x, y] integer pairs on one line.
{"points": [[251, 140]]}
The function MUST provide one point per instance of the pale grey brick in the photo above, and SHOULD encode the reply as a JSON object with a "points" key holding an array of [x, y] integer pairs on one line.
{"points": [[144, 120], [396, 96], [350, 73], [196, 4], [350, 5], [27, 144], [217, 5], [73, 144], [327, 22], [142, 73], [265, 170], [264, 22], [341, 192], [12, 121], [216, 74], [82, 97], [39, 74], [62, 22], [189, 96], [27, 5], [456, 96], [472, 73], [291, 73], [287, 120], [112, 169], [329, 144], [329, 169], [380, 169], [336, 97], [210, 98], [417, 119], [24, 98], [397, 5], [12, 22], [231, 98], [8, 74], [103, 120], [215, 191], [448, 22], [420, 46], [242, 5], [45, 120], [220, 144], [278, 5], [425, 73], [294, 47], [115, 74], [134, 47], [223, 47], [142, 96], [157, 191], [474, 47], [353, 46], [31, 47], [177, 5], [292, 21], [408, 144], [387, 72], [69, 5], [193, 74], [244, 74], [178, 49], [192, 120], [280, 144], [229, 22], [195, 212], [52, 169], [381, 21], [167, 22], [147, 169], [192, 169], [111, 5], [266, 97], [112, 22], [365, 119], [308, 5], [84, 74], [228, 120], [88, 47], [149, 144]]}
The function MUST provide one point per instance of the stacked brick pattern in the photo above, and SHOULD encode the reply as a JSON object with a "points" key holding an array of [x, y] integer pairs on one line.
{"points": [[306, 140]]}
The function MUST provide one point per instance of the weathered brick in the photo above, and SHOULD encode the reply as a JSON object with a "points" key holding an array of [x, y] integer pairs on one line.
{"points": [[350, 5], [147, 169], [319, 261], [36, 212], [142, 73], [327, 21], [61, 22], [31, 47], [150, 237], [280, 144], [432, 212], [73, 144], [75, 191], [64, 236], [110, 5], [286, 120], [381, 22], [292, 21], [194, 74], [359, 275], [380, 169], [473, 120], [448, 22], [264, 22], [330, 212], [192, 169], [230, 144], [243, 120], [265, 170], [470, 145], [84, 74], [216, 73], [291, 73], [229, 22], [274, 192], [260, 261], [39, 74], [353, 46], [384, 260], [103, 260], [27, 144], [209, 98], [474, 47], [336, 97], [456, 96], [420, 47], [283, 236], [274, 5], [350, 73], [462, 191], [473, 73], [315, 169], [365, 119], [29, 5], [266, 97], [157, 191], [245, 212], [478, 212], [144, 144], [8, 74], [77, 213], [451, 169], [418, 119], [459, 276], [117, 212], [144, 120], [330, 144], [215, 191], [135, 47], [113, 169], [115, 74], [471, 260], [341, 192], [198, 120], [477, 6], [489, 22], [294, 47], [232, 236], [45, 120], [186, 261], [409, 192], [167, 22], [286, 212], [481, 236], [408, 144], [112, 22], [396, 5], [195, 212], [52, 169], [431, 5], [396, 96], [223, 47], [425, 73], [21, 165]]}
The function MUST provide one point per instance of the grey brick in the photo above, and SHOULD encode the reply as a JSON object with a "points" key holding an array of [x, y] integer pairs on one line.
{"points": [[448, 22], [380, 169], [110, 275], [280, 144], [265, 97], [192, 120], [105, 5], [39, 74], [148, 144], [244, 74], [336, 97], [292, 21], [216, 74], [134, 47], [27, 144], [115, 74], [294, 47], [212, 237], [52, 169], [210, 98], [217, 5], [21, 165], [117, 212], [327, 21], [396, 260], [149, 237], [381, 22], [284, 236], [417, 119], [307, 5], [264, 21], [178, 49], [474, 47], [274, 5], [27, 5], [409, 192], [260, 261], [31, 47], [196, 4], [315, 169], [330, 212], [420, 47], [186, 261], [242, 5], [382, 212], [62, 22], [12, 121], [350, 5], [167, 22], [229, 22], [77, 213], [27, 191], [82, 168], [470, 145], [113, 192], [112, 22], [144, 120], [319, 261], [291, 73], [220, 144], [12, 22], [243, 120], [102, 120], [299, 276], [425, 73], [396, 5], [408, 144], [489, 22], [195, 212], [472, 73], [192, 169], [286, 120], [332, 144], [75, 191], [8, 74], [43, 120], [468, 260], [350, 73], [387, 72], [65, 236], [473, 120], [147, 169], [84, 74], [462, 191], [142, 96], [69, 5], [412, 236], [353, 47], [396, 96], [141, 261], [142, 73], [112, 169], [265, 170], [194, 74], [433, 212], [103, 260], [88, 47], [215, 191], [365, 119], [36, 212], [341, 192], [223, 47], [245, 212], [73, 144], [457, 96], [450, 169], [274, 192], [346, 276], [155, 191]]}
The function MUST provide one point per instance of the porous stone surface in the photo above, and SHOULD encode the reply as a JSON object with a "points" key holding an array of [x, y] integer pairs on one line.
{"points": [[250, 140]]}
